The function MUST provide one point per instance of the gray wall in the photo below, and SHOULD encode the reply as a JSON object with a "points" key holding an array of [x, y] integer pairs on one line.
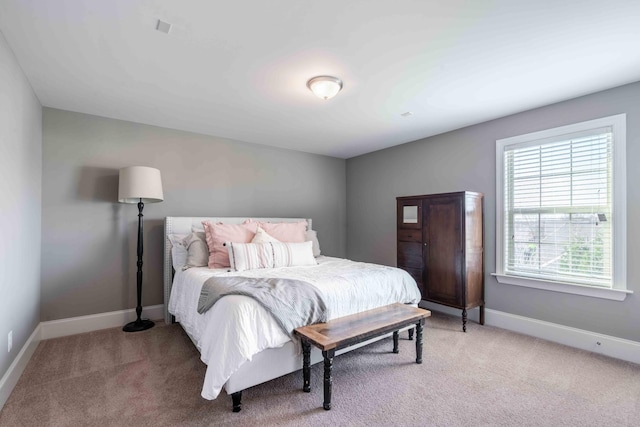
{"points": [[465, 160], [20, 206], [89, 240]]}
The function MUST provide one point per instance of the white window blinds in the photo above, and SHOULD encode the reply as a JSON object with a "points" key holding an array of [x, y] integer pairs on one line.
{"points": [[558, 202]]}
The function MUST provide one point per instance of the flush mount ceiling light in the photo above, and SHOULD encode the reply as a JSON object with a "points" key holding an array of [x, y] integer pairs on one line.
{"points": [[325, 87]]}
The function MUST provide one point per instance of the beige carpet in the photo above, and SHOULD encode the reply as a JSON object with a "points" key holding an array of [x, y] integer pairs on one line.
{"points": [[486, 377]]}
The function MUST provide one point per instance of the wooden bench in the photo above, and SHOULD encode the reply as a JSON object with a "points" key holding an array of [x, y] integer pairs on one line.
{"points": [[350, 330]]}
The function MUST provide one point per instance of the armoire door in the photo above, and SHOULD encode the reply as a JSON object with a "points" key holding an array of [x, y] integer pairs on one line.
{"points": [[410, 238], [443, 249]]}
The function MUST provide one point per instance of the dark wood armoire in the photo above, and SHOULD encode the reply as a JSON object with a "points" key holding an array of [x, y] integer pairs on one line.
{"points": [[440, 243]]}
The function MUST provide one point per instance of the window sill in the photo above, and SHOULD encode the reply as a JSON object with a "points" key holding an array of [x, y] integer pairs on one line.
{"points": [[589, 291]]}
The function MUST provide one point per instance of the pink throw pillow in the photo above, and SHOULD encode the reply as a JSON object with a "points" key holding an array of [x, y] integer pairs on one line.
{"points": [[217, 234], [287, 232]]}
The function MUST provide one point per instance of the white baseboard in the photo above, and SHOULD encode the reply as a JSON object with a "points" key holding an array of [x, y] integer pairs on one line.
{"points": [[95, 322], [64, 327], [11, 377], [607, 345]]}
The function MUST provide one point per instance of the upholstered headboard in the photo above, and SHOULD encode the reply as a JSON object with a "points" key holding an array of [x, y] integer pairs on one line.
{"points": [[184, 225]]}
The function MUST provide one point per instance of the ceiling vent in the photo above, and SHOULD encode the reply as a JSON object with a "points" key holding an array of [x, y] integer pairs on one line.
{"points": [[163, 27]]}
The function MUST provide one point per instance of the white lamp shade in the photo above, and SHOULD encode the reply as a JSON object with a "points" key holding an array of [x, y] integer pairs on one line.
{"points": [[140, 182]]}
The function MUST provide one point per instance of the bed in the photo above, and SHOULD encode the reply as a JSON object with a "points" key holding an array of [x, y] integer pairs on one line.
{"points": [[238, 340]]}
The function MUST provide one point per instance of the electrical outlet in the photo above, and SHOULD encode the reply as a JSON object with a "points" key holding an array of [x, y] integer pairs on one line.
{"points": [[10, 341]]}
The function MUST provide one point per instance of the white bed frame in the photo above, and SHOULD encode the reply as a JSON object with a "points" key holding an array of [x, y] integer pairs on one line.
{"points": [[266, 365]]}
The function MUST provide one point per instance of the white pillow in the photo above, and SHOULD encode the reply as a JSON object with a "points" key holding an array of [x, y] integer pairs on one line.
{"points": [[263, 237], [312, 236], [249, 256], [178, 250], [197, 250]]}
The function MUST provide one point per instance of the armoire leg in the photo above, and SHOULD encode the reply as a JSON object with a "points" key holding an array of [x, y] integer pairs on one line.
{"points": [[464, 320]]}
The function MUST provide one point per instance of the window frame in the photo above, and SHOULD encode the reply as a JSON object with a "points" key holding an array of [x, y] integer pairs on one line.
{"points": [[619, 290]]}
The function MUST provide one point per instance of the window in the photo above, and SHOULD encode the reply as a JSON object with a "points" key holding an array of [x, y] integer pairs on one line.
{"points": [[561, 209]]}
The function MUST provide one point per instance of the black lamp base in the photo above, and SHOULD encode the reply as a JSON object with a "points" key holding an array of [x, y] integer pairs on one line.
{"points": [[138, 325]]}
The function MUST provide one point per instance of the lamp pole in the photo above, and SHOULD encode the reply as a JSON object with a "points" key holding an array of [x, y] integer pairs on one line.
{"points": [[139, 324]]}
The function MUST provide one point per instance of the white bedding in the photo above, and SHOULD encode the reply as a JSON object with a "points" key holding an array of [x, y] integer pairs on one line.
{"points": [[236, 328]]}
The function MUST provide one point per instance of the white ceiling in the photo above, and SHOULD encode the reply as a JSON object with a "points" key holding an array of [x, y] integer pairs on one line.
{"points": [[237, 69]]}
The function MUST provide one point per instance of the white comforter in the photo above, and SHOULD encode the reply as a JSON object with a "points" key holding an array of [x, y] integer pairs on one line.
{"points": [[236, 328]]}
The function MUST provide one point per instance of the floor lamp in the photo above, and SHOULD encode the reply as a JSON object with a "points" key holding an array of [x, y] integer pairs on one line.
{"points": [[139, 184]]}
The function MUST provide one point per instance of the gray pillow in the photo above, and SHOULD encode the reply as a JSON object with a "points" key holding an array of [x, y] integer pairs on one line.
{"points": [[197, 250], [313, 236]]}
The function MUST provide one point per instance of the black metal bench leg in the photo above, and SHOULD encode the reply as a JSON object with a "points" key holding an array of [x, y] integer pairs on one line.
{"points": [[306, 366], [419, 341], [328, 365], [411, 334], [395, 342], [236, 398]]}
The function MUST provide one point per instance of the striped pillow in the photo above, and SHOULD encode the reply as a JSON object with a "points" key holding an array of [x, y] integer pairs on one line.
{"points": [[249, 256]]}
